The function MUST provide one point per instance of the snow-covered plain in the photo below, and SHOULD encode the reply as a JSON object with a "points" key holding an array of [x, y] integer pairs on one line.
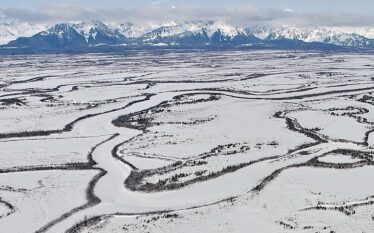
{"points": [[259, 141]]}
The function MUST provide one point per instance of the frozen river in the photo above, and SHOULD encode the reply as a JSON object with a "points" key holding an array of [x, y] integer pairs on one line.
{"points": [[267, 141]]}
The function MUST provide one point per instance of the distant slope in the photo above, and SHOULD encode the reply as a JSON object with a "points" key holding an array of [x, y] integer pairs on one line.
{"points": [[60, 36], [11, 30]]}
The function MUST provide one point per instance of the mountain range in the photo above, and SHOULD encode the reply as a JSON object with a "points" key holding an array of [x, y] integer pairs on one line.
{"points": [[96, 35]]}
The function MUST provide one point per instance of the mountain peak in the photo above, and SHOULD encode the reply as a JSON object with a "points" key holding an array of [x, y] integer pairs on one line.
{"points": [[61, 29]]}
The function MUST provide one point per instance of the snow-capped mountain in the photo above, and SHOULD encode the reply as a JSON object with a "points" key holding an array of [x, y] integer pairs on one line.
{"points": [[199, 32], [58, 36], [97, 32], [324, 35], [198, 28], [11, 30], [131, 30], [193, 33]]}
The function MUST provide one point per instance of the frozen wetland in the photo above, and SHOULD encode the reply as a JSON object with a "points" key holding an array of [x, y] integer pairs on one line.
{"points": [[261, 141]]}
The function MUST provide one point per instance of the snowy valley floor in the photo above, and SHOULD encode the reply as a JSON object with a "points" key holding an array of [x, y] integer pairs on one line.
{"points": [[200, 142]]}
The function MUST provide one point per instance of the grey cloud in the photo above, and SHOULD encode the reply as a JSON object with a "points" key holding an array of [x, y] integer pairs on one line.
{"points": [[51, 14], [243, 16]]}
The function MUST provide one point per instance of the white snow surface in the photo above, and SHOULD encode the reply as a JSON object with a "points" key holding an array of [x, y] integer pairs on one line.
{"points": [[272, 141]]}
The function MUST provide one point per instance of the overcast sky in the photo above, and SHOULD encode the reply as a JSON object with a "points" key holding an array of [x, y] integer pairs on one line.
{"points": [[298, 12], [351, 6]]}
